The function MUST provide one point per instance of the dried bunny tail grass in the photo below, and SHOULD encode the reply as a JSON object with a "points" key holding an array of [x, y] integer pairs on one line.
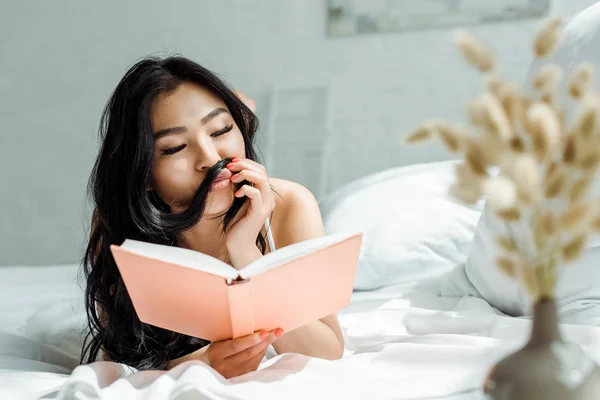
{"points": [[463, 134], [474, 51], [525, 173], [552, 168], [548, 223], [516, 144], [575, 214], [454, 138], [580, 188], [529, 280], [548, 97], [572, 250], [590, 160], [475, 111], [581, 80], [528, 198], [547, 37], [510, 215], [547, 77], [595, 220], [466, 194], [495, 84], [569, 155], [500, 191], [507, 244], [493, 149], [507, 265], [466, 175], [423, 133], [468, 187], [495, 119], [596, 223], [546, 129], [555, 181], [587, 122], [513, 105], [546, 278], [474, 158]]}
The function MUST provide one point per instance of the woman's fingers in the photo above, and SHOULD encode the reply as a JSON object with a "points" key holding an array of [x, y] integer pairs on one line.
{"points": [[251, 176], [259, 181], [258, 350], [239, 164], [227, 348], [255, 174], [251, 192], [242, 355], [251, 364]]}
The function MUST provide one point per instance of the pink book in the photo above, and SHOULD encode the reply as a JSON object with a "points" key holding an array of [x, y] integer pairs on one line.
{"points": [[198, 295]]}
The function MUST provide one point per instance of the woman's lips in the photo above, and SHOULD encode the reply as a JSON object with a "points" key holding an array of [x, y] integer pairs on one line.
{"points": [[222, 181]]}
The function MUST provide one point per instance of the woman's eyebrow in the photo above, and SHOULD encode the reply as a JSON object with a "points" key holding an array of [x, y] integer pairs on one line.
{"points": [[206, 119], [169, 131], [182, 129]]}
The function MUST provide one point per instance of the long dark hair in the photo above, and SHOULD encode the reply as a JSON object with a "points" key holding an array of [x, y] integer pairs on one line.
{"points": [[124, 208]]}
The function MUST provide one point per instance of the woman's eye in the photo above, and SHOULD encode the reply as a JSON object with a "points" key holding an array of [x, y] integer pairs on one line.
{"points": [[223, 131], [172, 150]]}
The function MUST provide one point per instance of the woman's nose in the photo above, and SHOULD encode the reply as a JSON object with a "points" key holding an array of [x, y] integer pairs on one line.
{"points": [[207, 153]]}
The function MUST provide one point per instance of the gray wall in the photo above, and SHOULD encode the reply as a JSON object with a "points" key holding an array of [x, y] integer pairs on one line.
{"points": [[60, 60]]}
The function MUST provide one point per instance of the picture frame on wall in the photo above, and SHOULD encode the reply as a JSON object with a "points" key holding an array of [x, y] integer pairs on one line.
{"points": [[356, 17]]}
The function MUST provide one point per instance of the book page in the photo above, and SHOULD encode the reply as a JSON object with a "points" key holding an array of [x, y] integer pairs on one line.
{"points": [[304, 289], [291, 252], [184, 257]]}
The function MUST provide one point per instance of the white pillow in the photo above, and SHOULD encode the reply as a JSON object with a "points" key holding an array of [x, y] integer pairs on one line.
{"points": [[412, 228], [578, 290], [578, 286]]}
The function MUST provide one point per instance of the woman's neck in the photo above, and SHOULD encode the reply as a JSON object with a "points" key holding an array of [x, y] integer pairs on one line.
{"points": [[206, 237]]}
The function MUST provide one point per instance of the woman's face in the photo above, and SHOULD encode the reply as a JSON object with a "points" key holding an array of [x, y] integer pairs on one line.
{"points": [[193, 130]]}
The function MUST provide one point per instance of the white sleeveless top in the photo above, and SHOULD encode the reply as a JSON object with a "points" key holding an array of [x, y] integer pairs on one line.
{"points": [[270, 235]]}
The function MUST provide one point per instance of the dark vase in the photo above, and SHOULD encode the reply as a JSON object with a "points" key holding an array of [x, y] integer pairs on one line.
{"points": [[546, 368]]}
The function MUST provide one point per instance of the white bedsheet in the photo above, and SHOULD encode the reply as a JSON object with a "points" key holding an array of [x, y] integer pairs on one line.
{"points": [[403, 342]]}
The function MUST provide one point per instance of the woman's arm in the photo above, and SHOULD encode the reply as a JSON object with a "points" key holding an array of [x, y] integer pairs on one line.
{"points": [[301, 220], [297, 218]]}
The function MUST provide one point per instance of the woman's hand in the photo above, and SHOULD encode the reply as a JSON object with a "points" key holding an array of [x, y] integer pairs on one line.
{"points": [[239, 356], [233, 357], [241, 237]]}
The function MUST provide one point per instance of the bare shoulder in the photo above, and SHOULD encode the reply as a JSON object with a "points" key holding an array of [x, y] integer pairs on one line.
{"points": [[289, 195], [296, 216]]}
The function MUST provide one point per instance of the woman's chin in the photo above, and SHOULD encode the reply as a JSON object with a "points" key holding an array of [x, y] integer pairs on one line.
{"points": [[219, 202]]}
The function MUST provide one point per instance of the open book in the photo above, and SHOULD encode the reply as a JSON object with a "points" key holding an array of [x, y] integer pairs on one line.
{"points": [[198, 295]]}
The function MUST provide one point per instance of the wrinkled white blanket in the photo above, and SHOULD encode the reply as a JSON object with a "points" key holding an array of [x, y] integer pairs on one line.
{"points": [[403, 342]]}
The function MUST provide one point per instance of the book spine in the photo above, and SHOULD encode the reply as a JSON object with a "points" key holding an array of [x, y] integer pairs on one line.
{"points": [[240, 307]]}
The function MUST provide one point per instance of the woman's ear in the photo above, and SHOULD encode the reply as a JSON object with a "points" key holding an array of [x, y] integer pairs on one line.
{"points": [[246, 100]]}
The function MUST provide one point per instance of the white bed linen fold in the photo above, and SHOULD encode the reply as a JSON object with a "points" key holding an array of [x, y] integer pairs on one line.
{"points": [[403, 342]]}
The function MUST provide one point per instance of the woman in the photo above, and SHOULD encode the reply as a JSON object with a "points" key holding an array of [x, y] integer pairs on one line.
{"points": [[177, 166]]}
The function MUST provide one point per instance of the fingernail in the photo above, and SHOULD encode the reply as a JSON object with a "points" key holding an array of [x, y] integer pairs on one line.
{"points": [[264, 334], [279, 332], [234, 177], [236, 160], [229, 165], [237, 193]]}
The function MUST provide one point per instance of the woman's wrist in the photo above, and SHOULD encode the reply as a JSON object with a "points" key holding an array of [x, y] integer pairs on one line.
{"points": [[198, 355]]}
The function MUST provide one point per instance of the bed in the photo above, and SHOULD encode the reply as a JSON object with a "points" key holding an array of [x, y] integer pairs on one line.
{"points": [[403, 340]]}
